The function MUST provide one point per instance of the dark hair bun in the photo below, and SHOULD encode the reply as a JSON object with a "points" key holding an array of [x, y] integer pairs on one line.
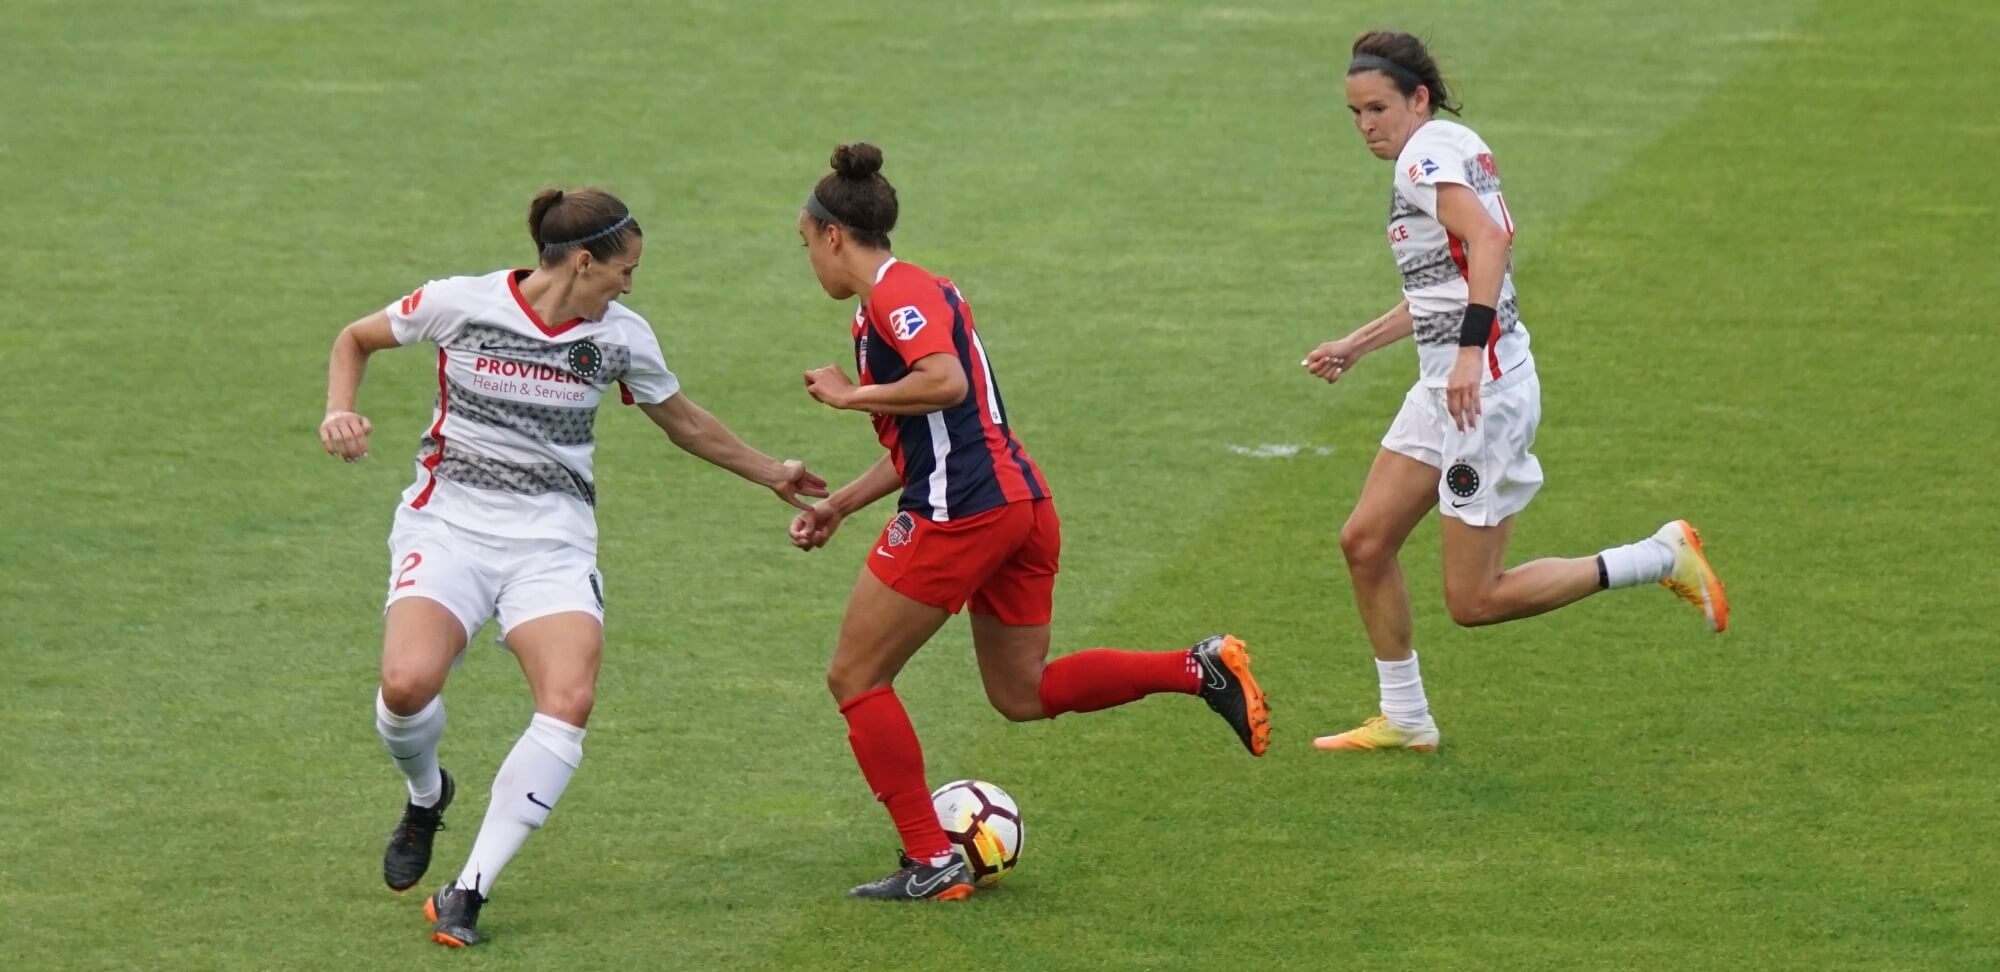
{"points": [[538, 210], [857, 160]]}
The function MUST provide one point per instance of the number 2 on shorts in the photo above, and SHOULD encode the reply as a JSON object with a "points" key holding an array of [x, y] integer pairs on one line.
{"points": [[409, 564]]}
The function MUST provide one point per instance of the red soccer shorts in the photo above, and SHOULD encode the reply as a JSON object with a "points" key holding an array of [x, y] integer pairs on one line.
{"points": [[1003, 560]]}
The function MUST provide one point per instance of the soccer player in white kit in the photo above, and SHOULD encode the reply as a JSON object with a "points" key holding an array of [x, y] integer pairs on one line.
{"points": [[499, 520], [1460, 444]]}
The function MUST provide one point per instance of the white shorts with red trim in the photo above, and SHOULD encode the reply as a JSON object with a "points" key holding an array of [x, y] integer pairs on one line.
{"points": [[1486, 473], [477, 575]]}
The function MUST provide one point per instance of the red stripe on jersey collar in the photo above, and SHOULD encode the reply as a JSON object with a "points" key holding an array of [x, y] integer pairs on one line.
{"points": [[514, 287]]}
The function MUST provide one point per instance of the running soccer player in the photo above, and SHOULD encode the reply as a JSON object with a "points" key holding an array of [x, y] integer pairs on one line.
{"points": [[1460, 444], [974, 523], [500, 519]]}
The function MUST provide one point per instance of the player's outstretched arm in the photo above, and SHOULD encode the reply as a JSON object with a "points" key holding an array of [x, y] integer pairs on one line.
{"points": [[1336, 358], [698, 433], [813, 528], [344, 432]]}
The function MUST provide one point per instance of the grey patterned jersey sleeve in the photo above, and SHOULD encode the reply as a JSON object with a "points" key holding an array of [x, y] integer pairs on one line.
{"points": [[647, 379]]}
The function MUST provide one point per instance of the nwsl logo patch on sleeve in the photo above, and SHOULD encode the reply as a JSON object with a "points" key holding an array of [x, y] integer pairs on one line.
{"points": [[906, 322]]}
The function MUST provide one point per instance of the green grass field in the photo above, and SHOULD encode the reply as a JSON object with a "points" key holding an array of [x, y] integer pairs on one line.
{"points": [[1754, 241]]}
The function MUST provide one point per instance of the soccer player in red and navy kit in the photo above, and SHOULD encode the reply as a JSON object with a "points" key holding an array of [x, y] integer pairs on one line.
{"points": [[974, 523]]}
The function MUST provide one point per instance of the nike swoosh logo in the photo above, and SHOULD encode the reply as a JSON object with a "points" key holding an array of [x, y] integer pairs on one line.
{"points": [[405, 759], [918, 890], [884, 552], [1213, 672], [531, 799], [1457, 505]]}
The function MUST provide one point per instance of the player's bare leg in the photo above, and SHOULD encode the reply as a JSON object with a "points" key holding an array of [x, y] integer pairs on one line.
{"points": [[1479, 590], [559, 654], [879, 634], [419, 640], [1011, 660], [1024, 686], [1399, 493], [881, 631]]}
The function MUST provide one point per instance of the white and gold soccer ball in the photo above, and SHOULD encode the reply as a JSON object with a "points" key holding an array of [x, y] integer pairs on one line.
{"points": [[984, 823]]}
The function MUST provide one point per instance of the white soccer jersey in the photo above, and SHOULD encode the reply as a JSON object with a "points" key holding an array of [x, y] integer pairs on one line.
{"points": [[508, 450], [1433, 262]]}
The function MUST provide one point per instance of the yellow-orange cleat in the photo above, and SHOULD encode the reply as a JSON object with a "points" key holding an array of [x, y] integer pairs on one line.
{"points": [[1379, 733], [1693, 579]]}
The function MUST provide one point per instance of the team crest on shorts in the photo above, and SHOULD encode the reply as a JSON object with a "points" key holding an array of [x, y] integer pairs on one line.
{"points": [[1461, 479], [902, 528], [585, 359]]}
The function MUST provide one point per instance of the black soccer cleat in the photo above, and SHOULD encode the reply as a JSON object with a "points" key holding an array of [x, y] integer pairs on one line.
{"points": [[408, 855], [1228, 688], [454, 915], [916, 881]]}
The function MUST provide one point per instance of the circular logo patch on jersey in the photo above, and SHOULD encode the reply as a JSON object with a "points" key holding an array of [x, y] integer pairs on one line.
{"points": [[1462, 480], [585, 359]]}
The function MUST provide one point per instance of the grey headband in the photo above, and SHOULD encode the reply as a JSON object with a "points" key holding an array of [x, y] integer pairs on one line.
{"points": [[818, 210], [622, 222], [1405, 78]]}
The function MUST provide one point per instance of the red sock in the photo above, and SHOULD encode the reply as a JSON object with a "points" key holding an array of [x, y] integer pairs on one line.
{"points": [[885, 744], [1103, 677]]}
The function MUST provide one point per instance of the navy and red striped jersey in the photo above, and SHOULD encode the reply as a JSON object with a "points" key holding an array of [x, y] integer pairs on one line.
{"points": [[960, 460]]}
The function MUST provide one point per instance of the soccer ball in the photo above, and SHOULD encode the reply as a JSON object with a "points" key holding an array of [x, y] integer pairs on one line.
{"points": [[984, 823]]}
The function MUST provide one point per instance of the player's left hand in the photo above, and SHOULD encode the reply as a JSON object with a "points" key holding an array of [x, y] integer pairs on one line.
{"points": [[795, 480], [830, 385], [1461, 390]]}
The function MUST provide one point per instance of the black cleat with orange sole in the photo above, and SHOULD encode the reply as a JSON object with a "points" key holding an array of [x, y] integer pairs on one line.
{"points": [[1229, 689], [917, 881], [454, 916]]}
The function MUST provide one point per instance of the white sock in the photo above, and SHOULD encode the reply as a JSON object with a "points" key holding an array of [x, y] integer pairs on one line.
{"points": [[412, 741], [1403, 701], [1646, 562], [530, 782]]}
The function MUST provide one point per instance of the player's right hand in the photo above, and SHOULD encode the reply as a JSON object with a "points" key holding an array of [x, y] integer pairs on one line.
{"points": [[1332, 360], [345, 434], [794, 481], [812, 528]]}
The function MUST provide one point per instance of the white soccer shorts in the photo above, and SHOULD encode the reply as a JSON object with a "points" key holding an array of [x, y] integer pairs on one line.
{"points": [[1485, 474], [477, 575]]}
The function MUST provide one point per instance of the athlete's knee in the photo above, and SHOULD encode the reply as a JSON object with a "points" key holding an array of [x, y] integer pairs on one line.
{"points": [[407, 688], [847, 680], [570, 703], [1364, 544], [1472, 608], [1018, 702], [1019, 710]]}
